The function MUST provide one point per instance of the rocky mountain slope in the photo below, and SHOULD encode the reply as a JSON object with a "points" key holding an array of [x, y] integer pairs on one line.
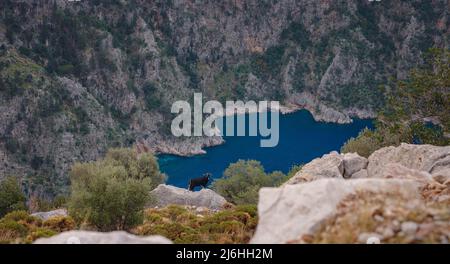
{"points": [[397, 195], [79, 77]]}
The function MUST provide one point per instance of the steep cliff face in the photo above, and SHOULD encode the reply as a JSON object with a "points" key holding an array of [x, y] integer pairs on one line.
{"points": [[78, 77]]}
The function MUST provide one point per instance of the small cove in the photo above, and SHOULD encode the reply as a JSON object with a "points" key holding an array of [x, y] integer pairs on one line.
{"points": [[301, 140]]}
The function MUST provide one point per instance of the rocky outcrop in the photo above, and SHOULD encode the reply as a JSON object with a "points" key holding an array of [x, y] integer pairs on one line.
{"points": [[353, 163], [319, 111], [167, 194], [332, 165], [89, 237], [185, 147], [426, 158], [391, 190], [46, 215], [293, 211]]}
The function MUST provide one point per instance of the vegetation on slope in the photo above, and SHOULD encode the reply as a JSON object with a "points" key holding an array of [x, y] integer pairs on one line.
{"points": [[110, 194], [11, 196], [185, 225], [242, 180], [20, 227], [417, 109]]}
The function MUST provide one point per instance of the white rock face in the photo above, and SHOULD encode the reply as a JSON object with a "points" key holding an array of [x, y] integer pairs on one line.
{"points": [[291, 211], [88, 237], [328, 166], [166, 195], [424, 159], [396, 170], [353, 163], [428, 158], [46, 215], [360, 174]]}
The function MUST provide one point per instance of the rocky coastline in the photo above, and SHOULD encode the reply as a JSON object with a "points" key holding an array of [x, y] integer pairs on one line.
{"points": [[186, 147]]}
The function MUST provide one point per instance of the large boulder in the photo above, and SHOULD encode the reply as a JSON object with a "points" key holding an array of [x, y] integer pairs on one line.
{"points": [[46, 215], [328, 166], [290, 212], [428, 158], [167, 194], [433, 160], [332, 165], [353, 163], [89, 237]]}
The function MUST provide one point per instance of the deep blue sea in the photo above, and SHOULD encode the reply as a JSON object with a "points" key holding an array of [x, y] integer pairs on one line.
{"points": [[301, 140]]}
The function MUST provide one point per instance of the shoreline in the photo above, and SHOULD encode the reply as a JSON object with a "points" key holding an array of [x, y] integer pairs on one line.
{"points": [[196, 145]]}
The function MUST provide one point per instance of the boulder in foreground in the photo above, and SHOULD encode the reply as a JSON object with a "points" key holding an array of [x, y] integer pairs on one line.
{"points": [[289, 213], [398, 195]]}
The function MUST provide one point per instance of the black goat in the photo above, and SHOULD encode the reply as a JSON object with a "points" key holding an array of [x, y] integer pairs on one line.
{"points": [[200, 181]]}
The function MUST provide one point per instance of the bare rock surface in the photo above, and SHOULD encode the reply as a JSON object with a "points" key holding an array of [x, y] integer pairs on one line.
{"points": [[407, 178], [302, 208], [46, 215], [167, 194], [428, 158]]}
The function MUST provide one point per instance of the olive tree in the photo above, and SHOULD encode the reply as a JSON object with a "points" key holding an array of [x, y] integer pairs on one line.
{"points": [[110, 194]]}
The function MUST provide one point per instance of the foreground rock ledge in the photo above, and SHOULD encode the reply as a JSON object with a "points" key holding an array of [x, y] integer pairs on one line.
{"points": [[167, 195], [427, 158], [89, 237], [288, 213]]}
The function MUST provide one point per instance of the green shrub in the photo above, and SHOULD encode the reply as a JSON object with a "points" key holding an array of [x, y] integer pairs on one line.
{"points": [[39, 233], [110, 194], [409, 103], [20, 227], [65, 69], [364, 144], [242, 180], [143, 166], [152, 96], [38, 204], [11, 196], [21, 216], [16, 228]]}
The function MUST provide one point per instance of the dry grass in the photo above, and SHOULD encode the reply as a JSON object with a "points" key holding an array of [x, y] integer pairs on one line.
{"points": [[19, 227], [184, 225]]}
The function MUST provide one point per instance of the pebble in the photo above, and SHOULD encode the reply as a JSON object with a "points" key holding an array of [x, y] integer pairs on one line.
{"points": [[409, 228], [378, 218], [388, 233], [372, 238], [201, 209], [396, 225]]}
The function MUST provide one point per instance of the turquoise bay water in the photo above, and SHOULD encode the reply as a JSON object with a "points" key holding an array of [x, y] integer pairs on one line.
{"points": [[301, 140]]}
